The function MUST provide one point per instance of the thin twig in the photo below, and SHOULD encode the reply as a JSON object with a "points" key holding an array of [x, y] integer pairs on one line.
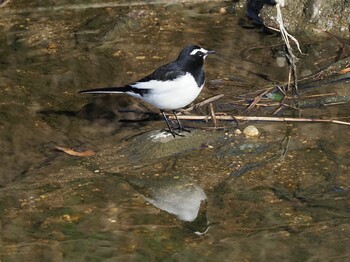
{"points": [[4, 2], [212, 115], [283, 91], [204, 102], [261, 118], [281, 107], [258, 98], [320, 95]]}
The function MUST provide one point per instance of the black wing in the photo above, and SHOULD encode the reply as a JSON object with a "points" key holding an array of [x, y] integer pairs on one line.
{"points": [[166, 72]]}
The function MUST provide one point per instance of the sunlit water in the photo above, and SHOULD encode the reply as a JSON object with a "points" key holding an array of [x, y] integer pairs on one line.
{"points": [[219, 197]]}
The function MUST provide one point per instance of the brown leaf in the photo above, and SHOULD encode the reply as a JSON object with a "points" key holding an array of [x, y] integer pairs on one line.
{"points": [[73, 152], [345, 70]]}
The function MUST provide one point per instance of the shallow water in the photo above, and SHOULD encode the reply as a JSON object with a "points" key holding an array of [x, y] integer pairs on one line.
{"points": [[212, 195]]}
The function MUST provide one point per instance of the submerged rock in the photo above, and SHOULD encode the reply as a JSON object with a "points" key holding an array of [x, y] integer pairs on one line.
{"points": [[251, 131], [157, 144]]}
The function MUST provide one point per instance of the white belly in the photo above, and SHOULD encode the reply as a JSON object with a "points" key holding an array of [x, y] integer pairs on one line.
{"points": [[170, 95]]}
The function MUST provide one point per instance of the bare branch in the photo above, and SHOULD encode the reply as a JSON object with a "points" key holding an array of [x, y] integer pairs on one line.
{"points": [[261, 118]]}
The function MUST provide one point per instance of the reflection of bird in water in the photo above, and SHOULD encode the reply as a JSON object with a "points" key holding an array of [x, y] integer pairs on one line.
{"points": [[171, 86], [185, 200]]}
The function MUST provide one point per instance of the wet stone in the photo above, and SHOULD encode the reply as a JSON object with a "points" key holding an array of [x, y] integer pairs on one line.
{"points": [[251, 131], [164, 144]]}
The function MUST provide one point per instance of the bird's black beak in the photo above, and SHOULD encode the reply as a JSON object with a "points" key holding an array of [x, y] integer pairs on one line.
{"points": [[211, 52]]}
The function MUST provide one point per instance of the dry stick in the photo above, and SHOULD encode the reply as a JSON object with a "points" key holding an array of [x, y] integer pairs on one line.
{"points": [[258, 98], [204, 102], [320, 95], [281, 106], [3, 3], [262, 118], [261, 105], [212, 114], [283, 91]]}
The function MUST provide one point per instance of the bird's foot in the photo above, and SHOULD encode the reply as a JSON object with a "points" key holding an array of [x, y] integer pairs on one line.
{"points": [[173, 133]]}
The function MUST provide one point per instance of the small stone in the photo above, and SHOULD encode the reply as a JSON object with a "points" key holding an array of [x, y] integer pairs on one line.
{"points": [[281, 61], [306, 73], [223, 10], [251, 131], [238, 132], [141, 57], [117, 53]]}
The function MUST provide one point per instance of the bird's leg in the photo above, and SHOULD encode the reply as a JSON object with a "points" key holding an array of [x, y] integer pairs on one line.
{"points": [[167, 123], [181, 128]]}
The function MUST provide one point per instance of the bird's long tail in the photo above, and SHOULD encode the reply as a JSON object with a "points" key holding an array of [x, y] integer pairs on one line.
{"points": [[106, 90]]}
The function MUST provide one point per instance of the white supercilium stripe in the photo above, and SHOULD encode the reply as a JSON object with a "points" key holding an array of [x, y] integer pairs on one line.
{"points": [[204, 51]]}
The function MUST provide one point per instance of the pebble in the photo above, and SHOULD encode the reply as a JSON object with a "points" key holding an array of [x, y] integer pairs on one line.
{"points": [[223, 10], [238, 132], [251, 131], [281, 61]]}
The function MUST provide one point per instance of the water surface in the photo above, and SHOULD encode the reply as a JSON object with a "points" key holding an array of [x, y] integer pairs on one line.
{"points": [[221, 196]]}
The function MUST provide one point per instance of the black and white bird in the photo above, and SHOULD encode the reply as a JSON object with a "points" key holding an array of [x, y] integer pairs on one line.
{"points": [[170, 87]]}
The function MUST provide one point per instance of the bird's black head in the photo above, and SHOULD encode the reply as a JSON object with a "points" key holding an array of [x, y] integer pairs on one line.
{"points": [[193, 56]]}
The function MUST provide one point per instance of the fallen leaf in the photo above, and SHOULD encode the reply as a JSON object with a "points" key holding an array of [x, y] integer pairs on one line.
{"points": [[345, 70], [73, 152]]}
